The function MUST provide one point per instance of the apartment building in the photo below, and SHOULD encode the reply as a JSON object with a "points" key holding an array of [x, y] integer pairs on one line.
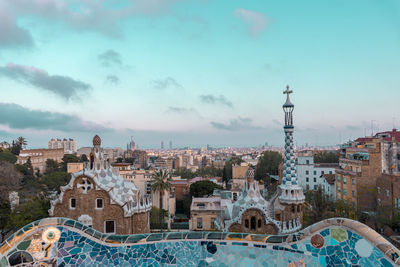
{"points": [[40, 156], [70, 146], [311, 175]]}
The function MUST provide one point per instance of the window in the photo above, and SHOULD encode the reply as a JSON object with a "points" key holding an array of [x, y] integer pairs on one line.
{"points": [[351, 168], [338, 178], [330, 172], [315, 172], [259, 223], [344, 180], [199, 222], [338, 189], [246, 223], [235, 196], [212, 223], [148, 187], [387, 192], [99, 203], [307, 162], [322, 172], [345, 192], [109, 227], [379, 190], [72, 203], [307, 179], [315, 187], [353, 181], [315, 179], [253, 223], [397, 203], [357, 169], [307, 172], [379, 202], [353, 194]]}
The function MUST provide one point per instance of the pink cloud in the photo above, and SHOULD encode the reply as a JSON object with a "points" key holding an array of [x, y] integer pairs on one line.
{"points": [[256, 22]]}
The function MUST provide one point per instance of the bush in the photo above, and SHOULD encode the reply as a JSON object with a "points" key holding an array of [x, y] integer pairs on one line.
{"points": [[6, 155]]}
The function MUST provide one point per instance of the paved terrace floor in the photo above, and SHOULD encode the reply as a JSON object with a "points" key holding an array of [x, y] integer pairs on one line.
{"points": [[66, 242]]}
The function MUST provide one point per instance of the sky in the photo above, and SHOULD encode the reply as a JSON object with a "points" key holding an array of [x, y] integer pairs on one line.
{"points": [[197, 72]]}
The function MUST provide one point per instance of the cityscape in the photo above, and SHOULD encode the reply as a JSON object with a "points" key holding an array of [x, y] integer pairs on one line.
{"points": [[199, 133]]}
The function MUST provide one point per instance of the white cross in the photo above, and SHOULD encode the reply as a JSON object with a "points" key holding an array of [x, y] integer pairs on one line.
{"points": [[85, 185], [288, 92]]}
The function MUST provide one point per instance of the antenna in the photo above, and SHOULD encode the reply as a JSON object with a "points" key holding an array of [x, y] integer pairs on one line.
{"points": [[372, 127]]}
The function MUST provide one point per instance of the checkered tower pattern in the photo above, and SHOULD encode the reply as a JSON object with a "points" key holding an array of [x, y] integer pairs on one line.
{"points": [[289, 172]]}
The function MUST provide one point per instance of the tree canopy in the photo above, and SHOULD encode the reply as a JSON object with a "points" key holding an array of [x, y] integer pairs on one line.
{"points": [[326, 157], [268, 164], [6, 155], [203, 188], [227, 171]]}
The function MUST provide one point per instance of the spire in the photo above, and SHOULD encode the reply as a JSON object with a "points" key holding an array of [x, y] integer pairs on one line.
{"points": [[291, 191]]}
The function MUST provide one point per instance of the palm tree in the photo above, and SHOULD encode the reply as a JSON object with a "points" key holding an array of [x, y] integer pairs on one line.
{"points": [[161, 182], [22, 142]]}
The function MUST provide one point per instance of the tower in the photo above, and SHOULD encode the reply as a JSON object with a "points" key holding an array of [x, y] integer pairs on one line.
{"points": [[291, 192]]}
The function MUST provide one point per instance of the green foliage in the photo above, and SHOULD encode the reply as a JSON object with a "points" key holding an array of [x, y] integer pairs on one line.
{"points": [[119, 160], [6, 155], [66, 159], [326, 157], [227, 171], [161, 182], [203, 188], [54, 180], [184, 173], [156, 214], [187, 202], [84, 158], [268, 164], [320, 206], [32, 210], [51, 166], [202, 172]]}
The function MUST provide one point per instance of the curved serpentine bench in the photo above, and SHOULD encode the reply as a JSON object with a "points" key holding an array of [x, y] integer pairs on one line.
{"points": [[64, 242]]}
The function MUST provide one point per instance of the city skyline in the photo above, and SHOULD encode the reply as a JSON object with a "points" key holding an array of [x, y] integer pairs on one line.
{"points": [[174, 71]]}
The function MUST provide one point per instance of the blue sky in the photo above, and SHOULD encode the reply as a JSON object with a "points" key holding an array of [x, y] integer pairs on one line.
{"points": [[197, 72]]}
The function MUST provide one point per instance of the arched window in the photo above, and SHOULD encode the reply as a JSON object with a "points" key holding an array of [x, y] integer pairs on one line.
{"points": [[91, 161], [259, 223], [246, 223]]}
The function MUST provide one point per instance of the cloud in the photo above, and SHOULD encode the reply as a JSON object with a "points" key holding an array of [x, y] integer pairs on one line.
{"points": [[180, 110], [165, 83], [90, 15], [112, 79], [216, 100], [110, 58], [19, 117], [255, 22], [11, 35], [237, 124], [62, 86]]}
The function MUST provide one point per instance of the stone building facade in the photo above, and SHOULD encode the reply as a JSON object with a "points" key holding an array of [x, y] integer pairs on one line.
{"points": [[39, 156], [98, 197]]}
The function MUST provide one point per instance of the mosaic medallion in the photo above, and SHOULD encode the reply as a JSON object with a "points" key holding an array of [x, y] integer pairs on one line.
{"points": [[51, 235], [317, 241], [363, 248]]}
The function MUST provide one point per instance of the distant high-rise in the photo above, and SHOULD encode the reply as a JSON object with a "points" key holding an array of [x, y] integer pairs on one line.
{"points": [[162, 144], [70, 146], [170, 145]]}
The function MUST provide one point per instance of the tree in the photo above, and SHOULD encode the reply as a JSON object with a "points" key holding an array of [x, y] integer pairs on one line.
{"points": [[5, 212], [84, 158], [51, 166], [326, 157], [155, 217], [203, 188], [6, 155], [15, 148], [66, 159], [161, 182], [268, 164], [54, 180], [319, 206], [21, 141], [10, 179], [32, 210], [184, 173]]}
